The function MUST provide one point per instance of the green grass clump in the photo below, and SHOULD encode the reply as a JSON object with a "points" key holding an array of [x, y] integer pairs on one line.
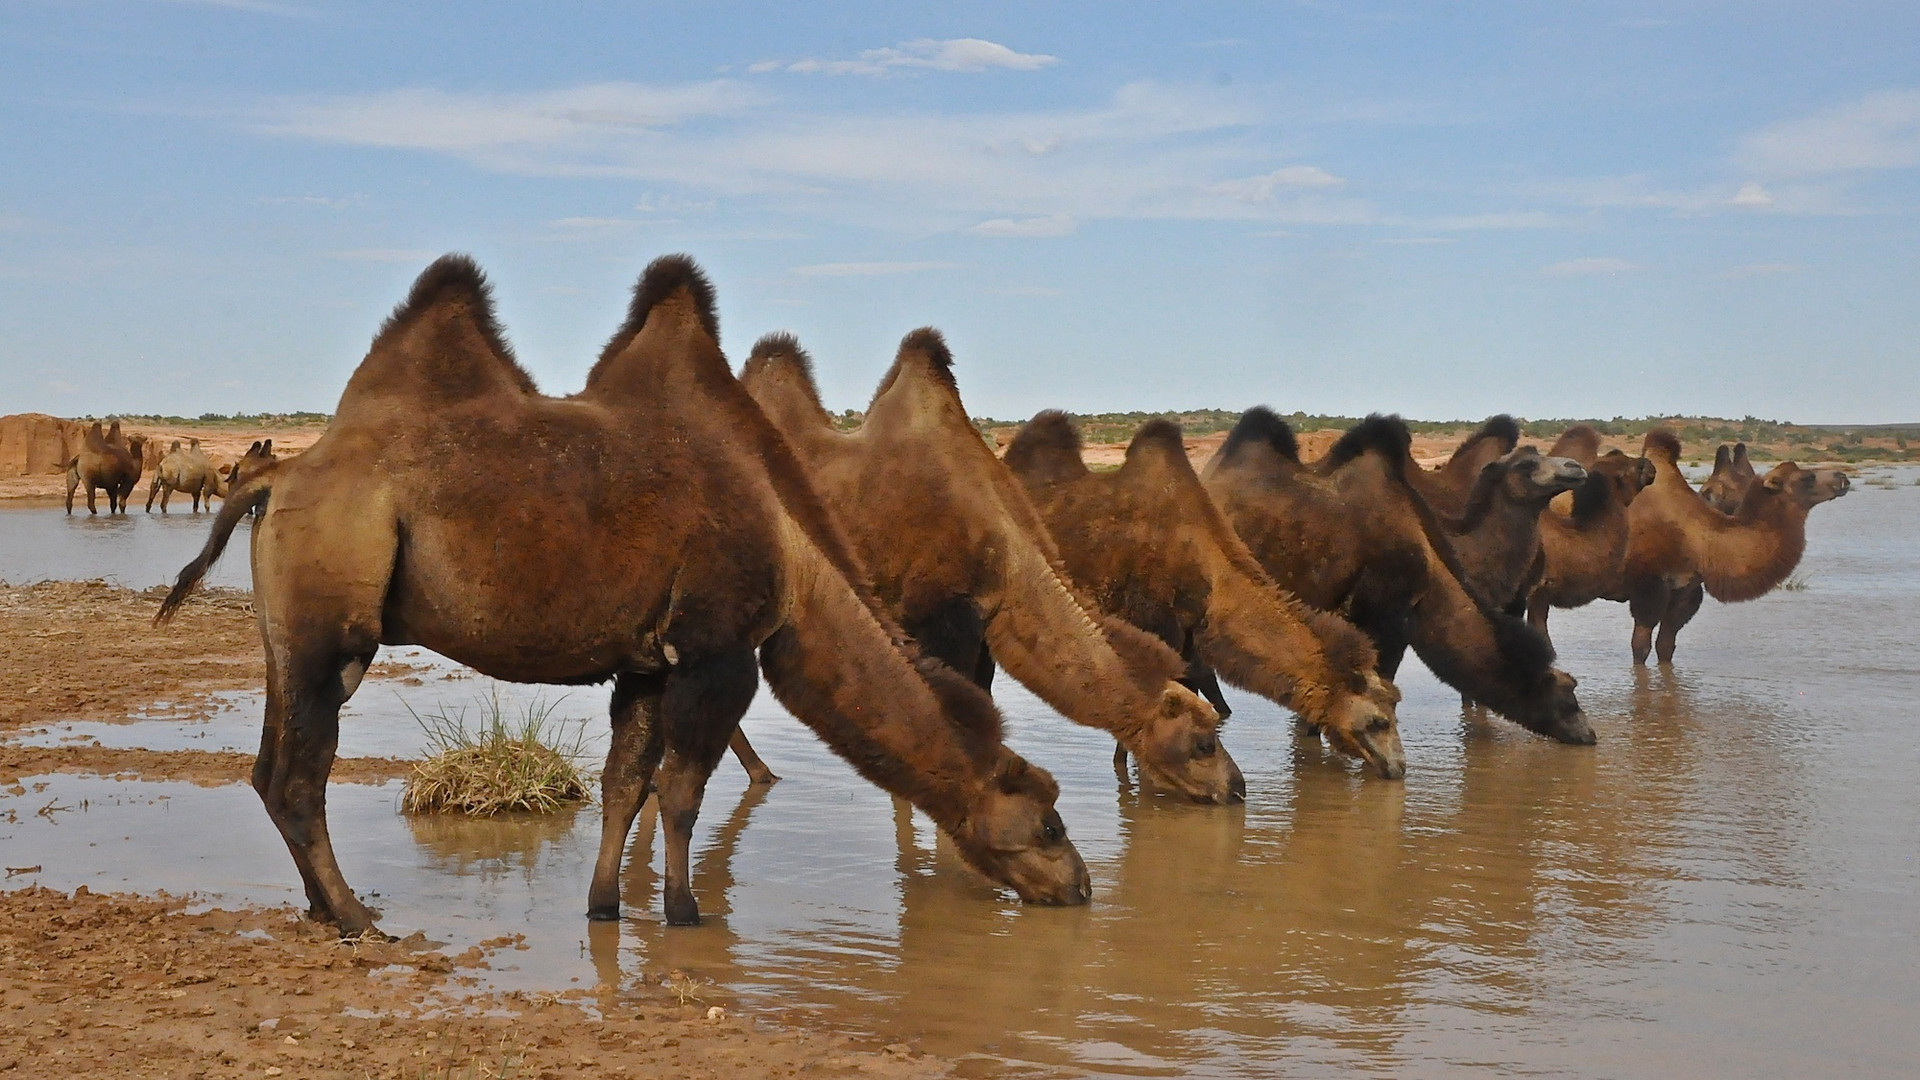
{"points": [[498, 765]]}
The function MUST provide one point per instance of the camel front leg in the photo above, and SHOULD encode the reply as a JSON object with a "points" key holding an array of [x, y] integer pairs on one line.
{"points": [[701, 710], [1538, 610], [1681, 609], [757, 771], [638, 741]]}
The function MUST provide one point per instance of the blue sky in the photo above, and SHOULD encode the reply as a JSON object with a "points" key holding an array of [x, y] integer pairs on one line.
{"points": [[1445, 210]]}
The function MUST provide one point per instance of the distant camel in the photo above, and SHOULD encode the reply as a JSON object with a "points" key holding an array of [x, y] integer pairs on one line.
{"points": [[1351, 535], [108, 463], [1497, 531], [653, 529], [1150, 545], [1680, 547], [1586, 550], [1732, 472], [188, 471], [959, 557]]}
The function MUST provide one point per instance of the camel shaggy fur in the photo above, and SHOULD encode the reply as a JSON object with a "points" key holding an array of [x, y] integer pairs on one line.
{"points": [[1497, 533], [190, 472], [653, 529], [107, 463], [1679, 546], [961, 560], [1351, 535], [1585, 550], [1151, 547]]}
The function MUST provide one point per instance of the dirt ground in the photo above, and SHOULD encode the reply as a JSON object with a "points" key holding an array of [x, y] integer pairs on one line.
{"points": [[124, 986], [95, 985]]}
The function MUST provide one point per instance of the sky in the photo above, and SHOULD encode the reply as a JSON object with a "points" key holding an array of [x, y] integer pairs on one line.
{"points": [[1440, 209]]}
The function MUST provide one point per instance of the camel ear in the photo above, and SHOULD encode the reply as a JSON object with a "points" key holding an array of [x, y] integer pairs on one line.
{"points": [[1777, 479], [1171, 704]]}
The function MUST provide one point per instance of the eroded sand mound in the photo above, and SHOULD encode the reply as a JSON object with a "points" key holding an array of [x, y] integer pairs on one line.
{"points": [[35, 444]]}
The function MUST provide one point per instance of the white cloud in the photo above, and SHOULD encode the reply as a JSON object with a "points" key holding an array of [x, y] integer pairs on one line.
{"points": [[953, 54], [1050, 225], [1589, 267], [391, 255], [1263, 188], [1751, 194], [1880, 131], [868, 269]]}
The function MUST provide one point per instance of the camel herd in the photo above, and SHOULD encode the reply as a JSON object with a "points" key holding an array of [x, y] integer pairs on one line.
{"points": [[696, 530], [112, 462]]}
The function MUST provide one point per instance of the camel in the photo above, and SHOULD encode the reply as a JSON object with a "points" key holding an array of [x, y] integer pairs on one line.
{"points": [[962, 562], [189, 471], [1448, 488], [110, 463], [1351, 535], [1732, 472], [673, 534], [1679, 546], [1151, 547], [1585, 550], [1497, 532]]}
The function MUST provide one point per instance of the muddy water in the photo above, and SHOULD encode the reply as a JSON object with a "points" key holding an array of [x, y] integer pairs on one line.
{"points": [[135, 549], [1725, 886]]}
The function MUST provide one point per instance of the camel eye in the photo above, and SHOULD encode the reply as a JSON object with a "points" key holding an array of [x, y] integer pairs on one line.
{"points": [[1205, 746], [1379, 723], [1052, 829]]}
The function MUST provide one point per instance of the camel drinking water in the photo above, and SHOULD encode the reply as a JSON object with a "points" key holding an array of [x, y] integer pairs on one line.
{"points": [[653, 529]]}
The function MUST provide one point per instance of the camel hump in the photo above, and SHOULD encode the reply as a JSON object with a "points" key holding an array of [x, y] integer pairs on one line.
{"points": [[931, 344], [175, 448], [665, 278], [449, 297], [1046, 450], [1502, 429], [1662, 445], [1261, 426], [1386, 434], [1722, 458], [778, 349], [1740, 455], [1579, 442], [1160, 441]]}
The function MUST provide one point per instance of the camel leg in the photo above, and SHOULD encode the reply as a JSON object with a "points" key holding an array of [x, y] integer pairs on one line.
{"points": [[1120, 761], [1648, 603], [700, 710], [638, 740], [1202, 680], [1538, 609], [297, 746], [153, 490], [1680, 611], [73, 481], [757, 771]]}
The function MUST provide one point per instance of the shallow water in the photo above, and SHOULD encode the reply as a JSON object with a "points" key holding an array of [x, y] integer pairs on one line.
{"points": [[135, 549], [1725, 886]]}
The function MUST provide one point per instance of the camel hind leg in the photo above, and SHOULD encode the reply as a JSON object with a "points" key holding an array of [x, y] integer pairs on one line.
{"points": [[758, 772], [638, 741], [700, 710]]}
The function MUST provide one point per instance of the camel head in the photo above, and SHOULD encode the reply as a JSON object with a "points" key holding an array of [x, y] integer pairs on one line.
{"points": [[1552, 709], [1366, 726], [1179, 750], [257, 457], [1623, 476], [1534, 477], [1012, 834], [1807, 488]]}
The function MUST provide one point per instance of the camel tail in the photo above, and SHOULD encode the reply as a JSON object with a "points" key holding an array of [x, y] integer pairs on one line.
{"points": [[242, 501]]}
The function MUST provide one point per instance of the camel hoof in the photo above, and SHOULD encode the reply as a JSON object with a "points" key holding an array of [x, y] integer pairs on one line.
{"points": [[685, 913], [368, 933], [603, 913], [765, 778]]}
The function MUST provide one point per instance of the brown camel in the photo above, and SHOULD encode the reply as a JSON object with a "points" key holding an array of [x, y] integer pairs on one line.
{"points": [[1732, 473], [1586, 550], [961, 560], [1448, 488], [1679, 546], [1497, 532], [1351, 535], [673, 534], [1151, 547], [109, 463], [189, 471]]}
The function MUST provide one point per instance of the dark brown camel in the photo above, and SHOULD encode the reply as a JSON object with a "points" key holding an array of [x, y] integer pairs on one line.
{"points": [[1151, 547], [1448, 488], [189, 471], [1586, 550], [960, 559], [653, 529], [1732, 473], [1497, 533], [1680, 547], [107, 463], [1351, 535]]}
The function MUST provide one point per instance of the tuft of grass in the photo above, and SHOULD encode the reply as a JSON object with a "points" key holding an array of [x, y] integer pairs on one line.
{"points": [[685, 987], [1796, 582], [498, 765]]}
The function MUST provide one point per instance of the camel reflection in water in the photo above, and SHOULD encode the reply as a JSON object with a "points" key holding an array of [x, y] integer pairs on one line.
{"points": [[1332, 923]]}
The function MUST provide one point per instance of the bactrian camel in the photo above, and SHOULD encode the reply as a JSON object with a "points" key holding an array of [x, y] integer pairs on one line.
{"points": [[959, 558], [108, 463], [1585, 549], [1151, 547], [653, 529], [1679, 546], [1351, 535], [189, 471]]}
